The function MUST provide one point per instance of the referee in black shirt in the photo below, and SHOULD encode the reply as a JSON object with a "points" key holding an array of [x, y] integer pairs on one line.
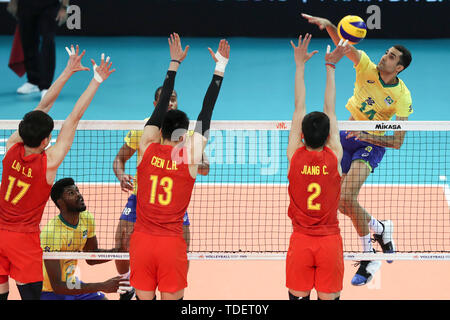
{"points": [[38, 20]]}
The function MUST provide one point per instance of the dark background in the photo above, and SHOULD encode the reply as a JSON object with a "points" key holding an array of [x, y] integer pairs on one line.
{"points": [[255, 18]]}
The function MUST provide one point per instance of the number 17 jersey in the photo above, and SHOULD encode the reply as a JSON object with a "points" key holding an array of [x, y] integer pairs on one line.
{"points": [[314, 192], [24, 190], [164, 191]]}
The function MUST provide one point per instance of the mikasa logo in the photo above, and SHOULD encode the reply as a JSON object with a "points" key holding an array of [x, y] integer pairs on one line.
{"points": [[385, 126]]}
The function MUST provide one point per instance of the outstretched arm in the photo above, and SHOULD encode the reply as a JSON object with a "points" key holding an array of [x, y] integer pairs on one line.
{"points": [[353, 54], [73, 65], [56, 153], [53, 268], [301, 56], [329, 108], [152, 127], [197, 143]]}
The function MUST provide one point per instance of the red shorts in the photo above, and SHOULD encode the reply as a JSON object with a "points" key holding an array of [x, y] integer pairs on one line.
{"points": [[21, 256], [315, 262], [158, 261]]}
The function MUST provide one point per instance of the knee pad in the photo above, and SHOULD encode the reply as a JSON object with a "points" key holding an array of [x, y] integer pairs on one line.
{"points": [[292, 297], [337, 298]]}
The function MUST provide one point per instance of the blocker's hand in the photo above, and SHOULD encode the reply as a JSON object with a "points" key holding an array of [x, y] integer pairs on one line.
{"points": [[301, 54], [341, 50], [102, 72], [176, 50], [74, 63]]}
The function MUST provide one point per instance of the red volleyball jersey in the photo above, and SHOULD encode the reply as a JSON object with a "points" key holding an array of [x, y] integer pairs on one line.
{"points": [[314, 192], [164, 191], [24, 190]]}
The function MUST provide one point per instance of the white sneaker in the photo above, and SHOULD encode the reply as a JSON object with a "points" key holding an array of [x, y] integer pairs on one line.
{"points": [[385, 239], [366, 271], [43, 93], [28, 88]]}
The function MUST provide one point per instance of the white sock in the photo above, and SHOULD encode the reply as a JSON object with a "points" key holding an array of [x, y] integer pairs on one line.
{"points": [[376, 226], [366, 242]]}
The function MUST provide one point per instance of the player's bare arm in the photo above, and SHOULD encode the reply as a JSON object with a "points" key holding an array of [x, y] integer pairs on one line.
{"points": [[92, 246], [57, 152], [53, 268], [331, 59], [126, 180], [197, 142], [301, 56], [392, 141], [153, 126], [73, 65], [353, 54]]}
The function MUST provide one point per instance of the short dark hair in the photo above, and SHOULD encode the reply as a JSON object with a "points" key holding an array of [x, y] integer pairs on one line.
{"points": [[405, 58], [158, 93], [35, 126], [58, 189], [174, 119], [316, 128]]}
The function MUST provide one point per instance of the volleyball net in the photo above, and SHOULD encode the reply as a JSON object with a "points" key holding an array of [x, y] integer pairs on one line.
{"points": [[239, 210]]}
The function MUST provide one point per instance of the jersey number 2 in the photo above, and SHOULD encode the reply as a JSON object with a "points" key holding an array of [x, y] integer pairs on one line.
{"points": [[315, 189], [167, 184], [20, 184]]}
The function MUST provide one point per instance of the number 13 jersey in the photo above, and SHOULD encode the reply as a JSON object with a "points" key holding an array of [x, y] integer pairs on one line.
{"points": [[314, 192], [164, 191]]}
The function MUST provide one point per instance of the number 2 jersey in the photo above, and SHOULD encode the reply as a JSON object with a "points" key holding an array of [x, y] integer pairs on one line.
{"points": [[24, 190], [314, 192], [164, 191]]}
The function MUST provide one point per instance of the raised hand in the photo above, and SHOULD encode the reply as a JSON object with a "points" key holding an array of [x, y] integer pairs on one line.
{"points": [[102, 72], [341, 50], [176, 50], [74, 63], [301, 54], [223, 50], [322, 23]]}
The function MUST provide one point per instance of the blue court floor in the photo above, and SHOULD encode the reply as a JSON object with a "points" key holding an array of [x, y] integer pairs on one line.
{"points": [[258, 85]]}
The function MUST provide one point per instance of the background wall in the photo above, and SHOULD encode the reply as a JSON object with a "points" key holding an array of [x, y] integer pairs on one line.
{"points": [[256, 18]]}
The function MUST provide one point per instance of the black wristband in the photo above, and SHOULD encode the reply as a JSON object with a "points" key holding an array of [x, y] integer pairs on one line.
{"points": [[177, 61]]}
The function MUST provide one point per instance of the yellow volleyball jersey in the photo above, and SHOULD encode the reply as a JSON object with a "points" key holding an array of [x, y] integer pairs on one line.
{"points": [[59, 235], [132, 140], [373, 99]]}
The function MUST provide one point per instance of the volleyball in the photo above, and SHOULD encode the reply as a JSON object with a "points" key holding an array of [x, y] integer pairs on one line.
{"points": [[352, 28]]}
